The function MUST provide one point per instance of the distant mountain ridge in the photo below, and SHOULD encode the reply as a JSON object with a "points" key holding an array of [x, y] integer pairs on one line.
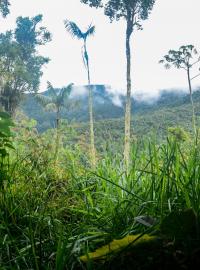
{"points": [[107, 104]]}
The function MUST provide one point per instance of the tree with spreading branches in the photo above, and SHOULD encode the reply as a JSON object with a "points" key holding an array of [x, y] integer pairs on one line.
{"points": [[20, 63], [184, 58], [76, 32], [134, 12]]}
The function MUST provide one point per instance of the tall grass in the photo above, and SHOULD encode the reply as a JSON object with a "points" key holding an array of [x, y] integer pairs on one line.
{"points": [[51, 214]]}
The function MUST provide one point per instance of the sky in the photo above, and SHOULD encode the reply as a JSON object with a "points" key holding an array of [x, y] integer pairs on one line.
{"points": [[171, 24]]}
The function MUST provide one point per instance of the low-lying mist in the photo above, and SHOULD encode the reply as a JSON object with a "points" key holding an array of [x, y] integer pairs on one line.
{"points": [[104, 93]]}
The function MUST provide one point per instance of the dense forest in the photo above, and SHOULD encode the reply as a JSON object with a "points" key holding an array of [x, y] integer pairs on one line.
{"points": [[92, 178]]}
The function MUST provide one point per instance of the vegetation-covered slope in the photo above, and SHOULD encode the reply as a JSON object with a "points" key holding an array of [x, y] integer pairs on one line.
{"points": [[153, 116], [61, 215]]}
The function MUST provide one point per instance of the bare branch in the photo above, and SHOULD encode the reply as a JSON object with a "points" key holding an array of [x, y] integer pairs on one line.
{"points": [[196, 76], [196, 62]]}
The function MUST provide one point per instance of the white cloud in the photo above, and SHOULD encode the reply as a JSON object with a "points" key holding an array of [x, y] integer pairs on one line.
{"points": [[171, 24]]}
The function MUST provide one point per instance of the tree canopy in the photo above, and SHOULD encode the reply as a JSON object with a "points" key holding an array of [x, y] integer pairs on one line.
{"points": [[4, 7], [185, 57], [29, 34], [136, 10], [20, 64]]}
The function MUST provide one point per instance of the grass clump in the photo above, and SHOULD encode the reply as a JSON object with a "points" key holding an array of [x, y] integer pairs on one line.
{"points": [[64, 216]]}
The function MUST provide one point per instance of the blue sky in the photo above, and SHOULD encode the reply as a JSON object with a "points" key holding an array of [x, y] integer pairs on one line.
{"points": [[172, 23]]}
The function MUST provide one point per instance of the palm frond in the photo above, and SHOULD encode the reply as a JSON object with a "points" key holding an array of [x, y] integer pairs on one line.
{"points": [[66, 91], [90, 31], [51, 107], [51, 90], [73, 29], [43, 100]]}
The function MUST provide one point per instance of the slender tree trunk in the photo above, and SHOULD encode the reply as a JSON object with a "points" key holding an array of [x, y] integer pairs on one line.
{"points": [[57, 118], [57, 133], [191, 100], [90, 104], [128, 99]]}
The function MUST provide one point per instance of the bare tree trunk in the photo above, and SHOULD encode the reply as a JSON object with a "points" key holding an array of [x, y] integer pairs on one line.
{"points": [[192, 103], [57, 133], [90, 104], [128, 98]]}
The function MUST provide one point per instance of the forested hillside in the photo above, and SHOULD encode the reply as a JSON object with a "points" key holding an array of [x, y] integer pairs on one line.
{"points": [[150, 116]]}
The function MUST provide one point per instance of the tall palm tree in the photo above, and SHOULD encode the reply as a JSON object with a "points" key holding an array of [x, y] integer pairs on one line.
{"points": [[75, 32], [54, 102]]}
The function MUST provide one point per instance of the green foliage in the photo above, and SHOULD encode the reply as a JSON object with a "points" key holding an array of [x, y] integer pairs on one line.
{"points": [[55, 102], [54, 213], [5, 124], [178, 133], [5, 145], [5, 134], [29, 35], [172, 110], [115, 9], [20, 64], [57, 97], [4, 7], [181, 58], [76, 32]]}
